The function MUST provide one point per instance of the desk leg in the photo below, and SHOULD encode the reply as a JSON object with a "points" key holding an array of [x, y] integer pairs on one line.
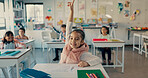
{"points": [[123, 59], [17, 70], [129, 34], [133, 42], [140, 45], [48, 55], [5, 73], [94, 52], [116, 55]]}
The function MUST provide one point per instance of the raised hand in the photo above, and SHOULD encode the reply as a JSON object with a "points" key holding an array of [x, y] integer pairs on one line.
{"points": [[71, 5]]}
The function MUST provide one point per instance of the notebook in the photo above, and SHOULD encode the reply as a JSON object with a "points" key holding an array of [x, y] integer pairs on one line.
{"points": [[97, 72], [32, 73], [97, 39], [10, 53]]}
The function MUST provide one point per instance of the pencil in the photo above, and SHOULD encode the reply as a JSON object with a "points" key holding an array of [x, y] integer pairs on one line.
{"points": [[94, 75], [88, 75], [91, 75]]}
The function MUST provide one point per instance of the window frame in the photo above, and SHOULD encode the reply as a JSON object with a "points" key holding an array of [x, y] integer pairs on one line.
{"points": [[34, 10]]}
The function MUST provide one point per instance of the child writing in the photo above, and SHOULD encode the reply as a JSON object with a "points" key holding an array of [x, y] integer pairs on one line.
{"points": [[76, 50], [21, 34], [8, 42], [105, 35]]}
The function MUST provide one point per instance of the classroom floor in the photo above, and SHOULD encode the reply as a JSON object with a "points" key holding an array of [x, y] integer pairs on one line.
{"points": [[136, 66]]}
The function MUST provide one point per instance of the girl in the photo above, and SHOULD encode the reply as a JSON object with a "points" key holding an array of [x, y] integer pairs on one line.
{"points": [[8, 42], [105, 35], [21, 34], [76, 50]]}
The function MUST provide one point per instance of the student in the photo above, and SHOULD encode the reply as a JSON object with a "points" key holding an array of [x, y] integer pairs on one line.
{"points": [[8, 42], [21, 34], [76, 50], [62, 37], [105, 35]]}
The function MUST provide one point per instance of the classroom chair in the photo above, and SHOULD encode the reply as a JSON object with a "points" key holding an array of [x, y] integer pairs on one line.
{"points": [[145, 44], [46, 37]]}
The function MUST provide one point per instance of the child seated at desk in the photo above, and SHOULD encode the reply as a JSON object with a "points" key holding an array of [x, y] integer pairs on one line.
{"points": [[21, 34], [8, 42], [62, 37], [105, 35], [76, 50]]}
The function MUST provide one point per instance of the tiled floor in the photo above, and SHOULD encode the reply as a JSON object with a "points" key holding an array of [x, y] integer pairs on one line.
{"points": [[136, 66]]}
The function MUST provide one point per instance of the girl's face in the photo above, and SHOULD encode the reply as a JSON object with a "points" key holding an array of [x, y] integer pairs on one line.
{"points": [[104, 31], [75, 40], [21, 32], [9, 38]]}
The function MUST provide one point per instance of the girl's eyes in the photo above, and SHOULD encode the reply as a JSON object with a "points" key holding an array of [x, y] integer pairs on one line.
{"points": [[71, 38], [76, 38]]}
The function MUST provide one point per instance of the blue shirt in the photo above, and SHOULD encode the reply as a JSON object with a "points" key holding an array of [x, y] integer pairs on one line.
{"points": [[60, 33]]}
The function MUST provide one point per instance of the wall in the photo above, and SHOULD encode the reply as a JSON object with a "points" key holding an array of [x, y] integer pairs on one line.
{"points": [[111, 9]]}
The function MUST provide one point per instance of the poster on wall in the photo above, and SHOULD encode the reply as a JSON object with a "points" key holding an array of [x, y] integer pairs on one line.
{"points": [[59, 4], [59, 13], [82, 9], [127, 8], [93, 9], [102, 10]]}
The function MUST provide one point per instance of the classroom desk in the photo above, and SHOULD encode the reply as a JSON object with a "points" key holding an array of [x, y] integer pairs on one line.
{"points": [[130, 30], [117, 44], [65, 70], [14, 60], [29, 43], [138, 35], [144, 36], [51, 45]]}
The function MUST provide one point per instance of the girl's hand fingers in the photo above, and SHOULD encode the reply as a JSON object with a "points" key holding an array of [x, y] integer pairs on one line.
{"points": [[73, 2]]}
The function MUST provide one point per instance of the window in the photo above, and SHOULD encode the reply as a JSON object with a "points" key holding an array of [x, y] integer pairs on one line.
{"points": [[2, 17], [35, 12]]}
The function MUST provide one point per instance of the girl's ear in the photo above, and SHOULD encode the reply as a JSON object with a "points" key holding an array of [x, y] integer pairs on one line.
{"points": [[82, 42]]}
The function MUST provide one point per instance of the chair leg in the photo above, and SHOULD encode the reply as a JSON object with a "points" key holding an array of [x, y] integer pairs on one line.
{"points": [[114, 58], [43, 46], [5, 73], [145, 47]]}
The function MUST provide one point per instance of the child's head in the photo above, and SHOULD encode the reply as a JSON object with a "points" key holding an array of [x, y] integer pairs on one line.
{"points": [[76, 38], [8, 36], [21, 31], [104, 30], [63, 28]]}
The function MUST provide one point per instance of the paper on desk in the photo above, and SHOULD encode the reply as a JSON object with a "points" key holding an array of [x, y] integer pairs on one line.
{"points": [[64, 69]]}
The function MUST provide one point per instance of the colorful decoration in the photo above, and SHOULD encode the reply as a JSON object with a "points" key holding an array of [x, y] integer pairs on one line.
{"points": [[93, 0], [92, 21], [59, 4], [136, 13], [49, 18], [126, 13], [138, 28], [78, 20], [120, 6], [94, 12], [60, 22], [127, 3], [49, 10]]}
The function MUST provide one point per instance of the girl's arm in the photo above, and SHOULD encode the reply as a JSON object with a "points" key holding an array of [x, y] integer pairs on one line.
{"points": [[54, 29], [90, 59], [69, 22]]}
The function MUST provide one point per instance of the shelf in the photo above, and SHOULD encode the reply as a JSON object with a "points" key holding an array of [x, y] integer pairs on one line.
{"points": [[18, 19], [16, 9]]}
